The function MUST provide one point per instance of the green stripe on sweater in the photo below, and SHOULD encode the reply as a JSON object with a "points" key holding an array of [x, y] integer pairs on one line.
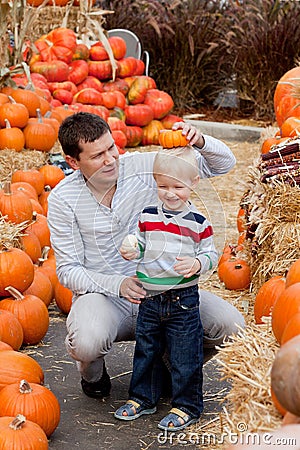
{"points": [[165, 281]]}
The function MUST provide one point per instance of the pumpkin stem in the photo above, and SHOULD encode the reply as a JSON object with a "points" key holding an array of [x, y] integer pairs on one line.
{"points": [[14, 292], [7, 188], [18, 421], [24, 387], [39, 115], [45, 252], [12, 100], [7, 123]]}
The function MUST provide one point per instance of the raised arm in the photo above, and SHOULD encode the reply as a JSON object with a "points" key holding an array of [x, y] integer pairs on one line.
{"points": [[214, 157]]}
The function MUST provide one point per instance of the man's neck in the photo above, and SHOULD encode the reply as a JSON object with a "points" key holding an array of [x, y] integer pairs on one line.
{"points": [[103, 196]]}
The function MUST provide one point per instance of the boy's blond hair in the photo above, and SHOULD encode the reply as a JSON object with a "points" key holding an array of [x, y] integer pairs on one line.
{"points": [[178, 163]]}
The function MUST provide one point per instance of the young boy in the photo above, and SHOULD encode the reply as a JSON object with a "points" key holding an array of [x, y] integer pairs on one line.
{"points": [[174, 245]]}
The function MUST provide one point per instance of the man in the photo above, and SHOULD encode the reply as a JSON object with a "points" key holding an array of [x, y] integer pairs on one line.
{"points": [[90, 212]]}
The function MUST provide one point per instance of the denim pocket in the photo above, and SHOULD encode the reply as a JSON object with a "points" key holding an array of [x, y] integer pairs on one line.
{"points": [[189, 300]]}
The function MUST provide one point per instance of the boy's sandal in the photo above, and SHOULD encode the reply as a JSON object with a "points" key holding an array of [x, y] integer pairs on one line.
{"points": [[171, 422], [133, 409]]}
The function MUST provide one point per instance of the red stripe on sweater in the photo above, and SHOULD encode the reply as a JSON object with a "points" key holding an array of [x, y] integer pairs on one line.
{"points": [[175, 229]]}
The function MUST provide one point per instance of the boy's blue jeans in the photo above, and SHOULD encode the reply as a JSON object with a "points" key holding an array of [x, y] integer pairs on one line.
{"points": [[169, 321]]}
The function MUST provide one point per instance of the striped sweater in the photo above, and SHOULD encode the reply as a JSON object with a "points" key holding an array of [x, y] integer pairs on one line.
{"points": [[164, 235], [86, 236]]}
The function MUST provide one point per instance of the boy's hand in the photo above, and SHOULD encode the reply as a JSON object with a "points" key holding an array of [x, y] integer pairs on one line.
{"points": [[129, 248], [192, 133], [128, 254], [187, 266]]}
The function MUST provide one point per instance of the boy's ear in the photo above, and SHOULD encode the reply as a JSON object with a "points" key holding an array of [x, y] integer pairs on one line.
{"points": [[72, 162], [196, 180]]}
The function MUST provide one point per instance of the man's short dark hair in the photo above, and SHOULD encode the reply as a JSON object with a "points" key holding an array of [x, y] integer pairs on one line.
{"points": [[80, 127]]}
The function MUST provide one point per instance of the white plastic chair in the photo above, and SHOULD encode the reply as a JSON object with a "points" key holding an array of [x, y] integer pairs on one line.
{"points": [[133, 45]]}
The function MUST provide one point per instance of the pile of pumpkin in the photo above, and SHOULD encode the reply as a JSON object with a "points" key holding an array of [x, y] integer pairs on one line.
{"points": [[67, 77], [286, 108], [28, 284], [233, 269]]}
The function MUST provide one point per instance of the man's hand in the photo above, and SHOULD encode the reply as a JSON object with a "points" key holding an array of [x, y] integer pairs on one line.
{"points": [[187, 266], [132, 290], [193, 135]]}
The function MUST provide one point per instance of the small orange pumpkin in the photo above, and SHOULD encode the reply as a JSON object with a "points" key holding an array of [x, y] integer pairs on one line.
{"points": [[52, 175], [37, 403], [172, 138], [235, 274]]}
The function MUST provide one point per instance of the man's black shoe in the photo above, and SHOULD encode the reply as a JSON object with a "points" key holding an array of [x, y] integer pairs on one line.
{"points": [[99, 389]]}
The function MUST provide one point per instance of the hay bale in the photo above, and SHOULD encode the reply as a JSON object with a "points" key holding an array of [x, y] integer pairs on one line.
{"points": [[10, 161], [272, 219]]}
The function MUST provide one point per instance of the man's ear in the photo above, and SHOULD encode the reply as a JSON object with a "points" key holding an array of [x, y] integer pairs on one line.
{"points": [[72, 162]]}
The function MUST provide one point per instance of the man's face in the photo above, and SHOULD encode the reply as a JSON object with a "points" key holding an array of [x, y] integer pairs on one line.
{"points": [[98, 162]]}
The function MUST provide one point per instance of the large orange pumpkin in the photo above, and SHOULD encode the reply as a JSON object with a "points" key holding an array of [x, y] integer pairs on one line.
{"points": [[15, 205], [293, 274], [19, 433], [284, 89], [16, 269], [11, 331], [31, 176], [16, 113], [41, 287], [11, 138], [151, 133], [27, 98], [39, 226], [59, 44], [291, 329], [266, 296], [31, 312], [284, 308], [63, 298], [160, 102], [37, 403], [16, 366]]}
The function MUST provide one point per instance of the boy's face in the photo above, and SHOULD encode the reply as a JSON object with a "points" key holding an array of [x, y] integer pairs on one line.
{"points": [[172, 192]]}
